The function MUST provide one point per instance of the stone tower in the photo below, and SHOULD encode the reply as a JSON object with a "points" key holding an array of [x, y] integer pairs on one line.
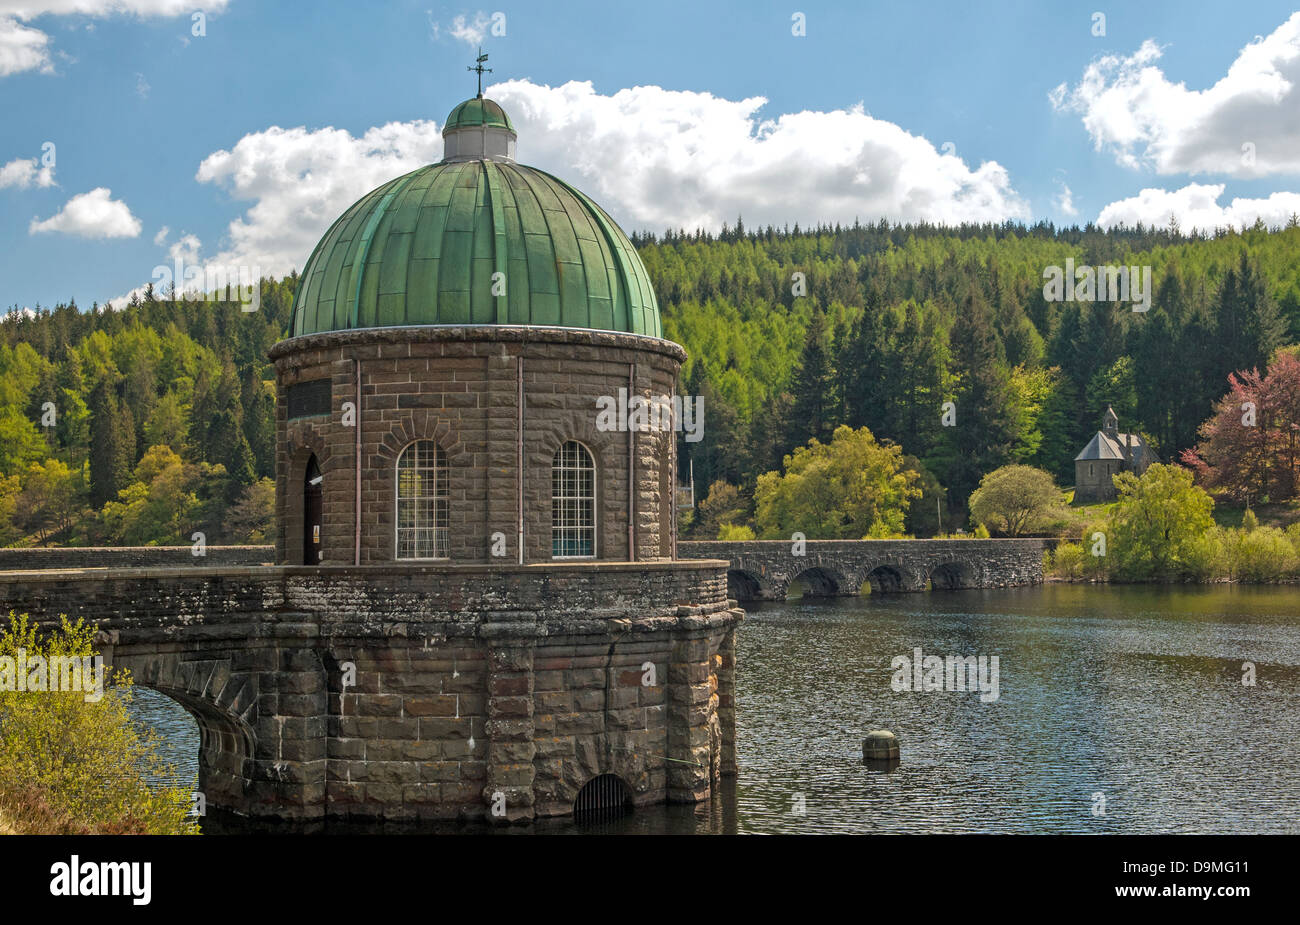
{"points": [[438, 450]]}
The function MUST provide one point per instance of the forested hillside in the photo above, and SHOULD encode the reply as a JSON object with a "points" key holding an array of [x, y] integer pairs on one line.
{"points": [[139, 426], [163, 412], [897, 320]]}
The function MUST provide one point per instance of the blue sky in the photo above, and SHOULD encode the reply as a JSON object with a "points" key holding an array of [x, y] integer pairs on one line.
{"points": [[272, 119]]}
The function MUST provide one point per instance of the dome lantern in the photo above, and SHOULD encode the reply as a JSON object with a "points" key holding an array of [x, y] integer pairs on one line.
{"points": [[479, 129]]}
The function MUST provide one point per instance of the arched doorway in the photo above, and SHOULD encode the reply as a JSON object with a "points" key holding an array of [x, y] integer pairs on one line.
{"points": [[313, 509]]}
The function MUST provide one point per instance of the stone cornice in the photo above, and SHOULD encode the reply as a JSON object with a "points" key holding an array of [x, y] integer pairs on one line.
{"points": [[481, 333]]}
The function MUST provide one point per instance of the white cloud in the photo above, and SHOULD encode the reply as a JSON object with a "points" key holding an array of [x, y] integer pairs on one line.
{"points": [[1064, 201], [23, 48], [29, 9], [1197, 206], [660, 158], [183, 267], [185, 249], [24, 172], [300, 181], [91, 215], [1245, 125], [471, 33], [15, 313], [142, 87], [654, 158]]}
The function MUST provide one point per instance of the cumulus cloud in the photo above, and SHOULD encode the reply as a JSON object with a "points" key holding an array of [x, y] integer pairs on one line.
{"points": [[300, 181], [23, 48], [660, 158], [91, 215], [654, 158], [1197, 206], [186, 249], [161, 237], [25, 172], [1247, 124]]}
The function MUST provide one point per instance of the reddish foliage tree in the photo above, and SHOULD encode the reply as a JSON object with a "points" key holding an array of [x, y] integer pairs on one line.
{"points": [[1250, 446]]}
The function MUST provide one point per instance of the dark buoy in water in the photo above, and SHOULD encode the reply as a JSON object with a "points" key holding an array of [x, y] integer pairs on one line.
{"points": [[880, 745]]}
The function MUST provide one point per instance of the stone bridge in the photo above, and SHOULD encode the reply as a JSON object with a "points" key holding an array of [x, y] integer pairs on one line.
{"points": [[765, 569], [420, 692]]}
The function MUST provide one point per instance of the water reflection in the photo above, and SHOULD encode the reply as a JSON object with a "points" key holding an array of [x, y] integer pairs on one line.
{"points": [[1133, 694]]}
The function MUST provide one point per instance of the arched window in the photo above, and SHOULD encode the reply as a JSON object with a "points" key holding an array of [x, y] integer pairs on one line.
{"points": [[422, 502], [573, 502]]}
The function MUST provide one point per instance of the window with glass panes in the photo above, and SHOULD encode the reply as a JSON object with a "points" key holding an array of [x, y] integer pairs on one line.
{"points": [[422, 502], [573, 502]]}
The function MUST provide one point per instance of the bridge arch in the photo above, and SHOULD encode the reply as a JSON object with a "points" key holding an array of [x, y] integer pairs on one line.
{"points": [[859, 566], [744, 585], [948, 576], [219, 703], [819, 581], [885, 579]]}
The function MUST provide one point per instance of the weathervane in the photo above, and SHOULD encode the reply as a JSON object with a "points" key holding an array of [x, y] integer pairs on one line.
{"points": [[480, 69]]}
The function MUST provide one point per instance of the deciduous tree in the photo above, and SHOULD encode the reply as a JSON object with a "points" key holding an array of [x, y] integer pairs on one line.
{"points": [[1013, 500], [850, 488]]}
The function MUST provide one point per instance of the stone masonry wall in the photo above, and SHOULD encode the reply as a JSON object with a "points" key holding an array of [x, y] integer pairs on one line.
{"points": [[131, 557], [460, 388], [425, 692]]}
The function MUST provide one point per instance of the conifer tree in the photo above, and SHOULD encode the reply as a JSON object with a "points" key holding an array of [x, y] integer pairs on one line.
{"points": [[984, 432], [259, 425], [112, 447], [859, 366], [1261, 327], [812, 412]]}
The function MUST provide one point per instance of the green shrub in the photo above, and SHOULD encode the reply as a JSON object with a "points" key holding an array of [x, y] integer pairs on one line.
{"points": [[1067, 561], [72, 766], [1207, 557], [1261, 554], [735, 532]]}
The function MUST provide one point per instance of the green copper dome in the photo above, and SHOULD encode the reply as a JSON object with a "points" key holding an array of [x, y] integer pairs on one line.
{"points": [[426, 248], [476, 112]]}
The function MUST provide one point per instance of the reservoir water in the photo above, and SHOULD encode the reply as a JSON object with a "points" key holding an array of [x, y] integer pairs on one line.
{"points": [[1119, 710]]}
